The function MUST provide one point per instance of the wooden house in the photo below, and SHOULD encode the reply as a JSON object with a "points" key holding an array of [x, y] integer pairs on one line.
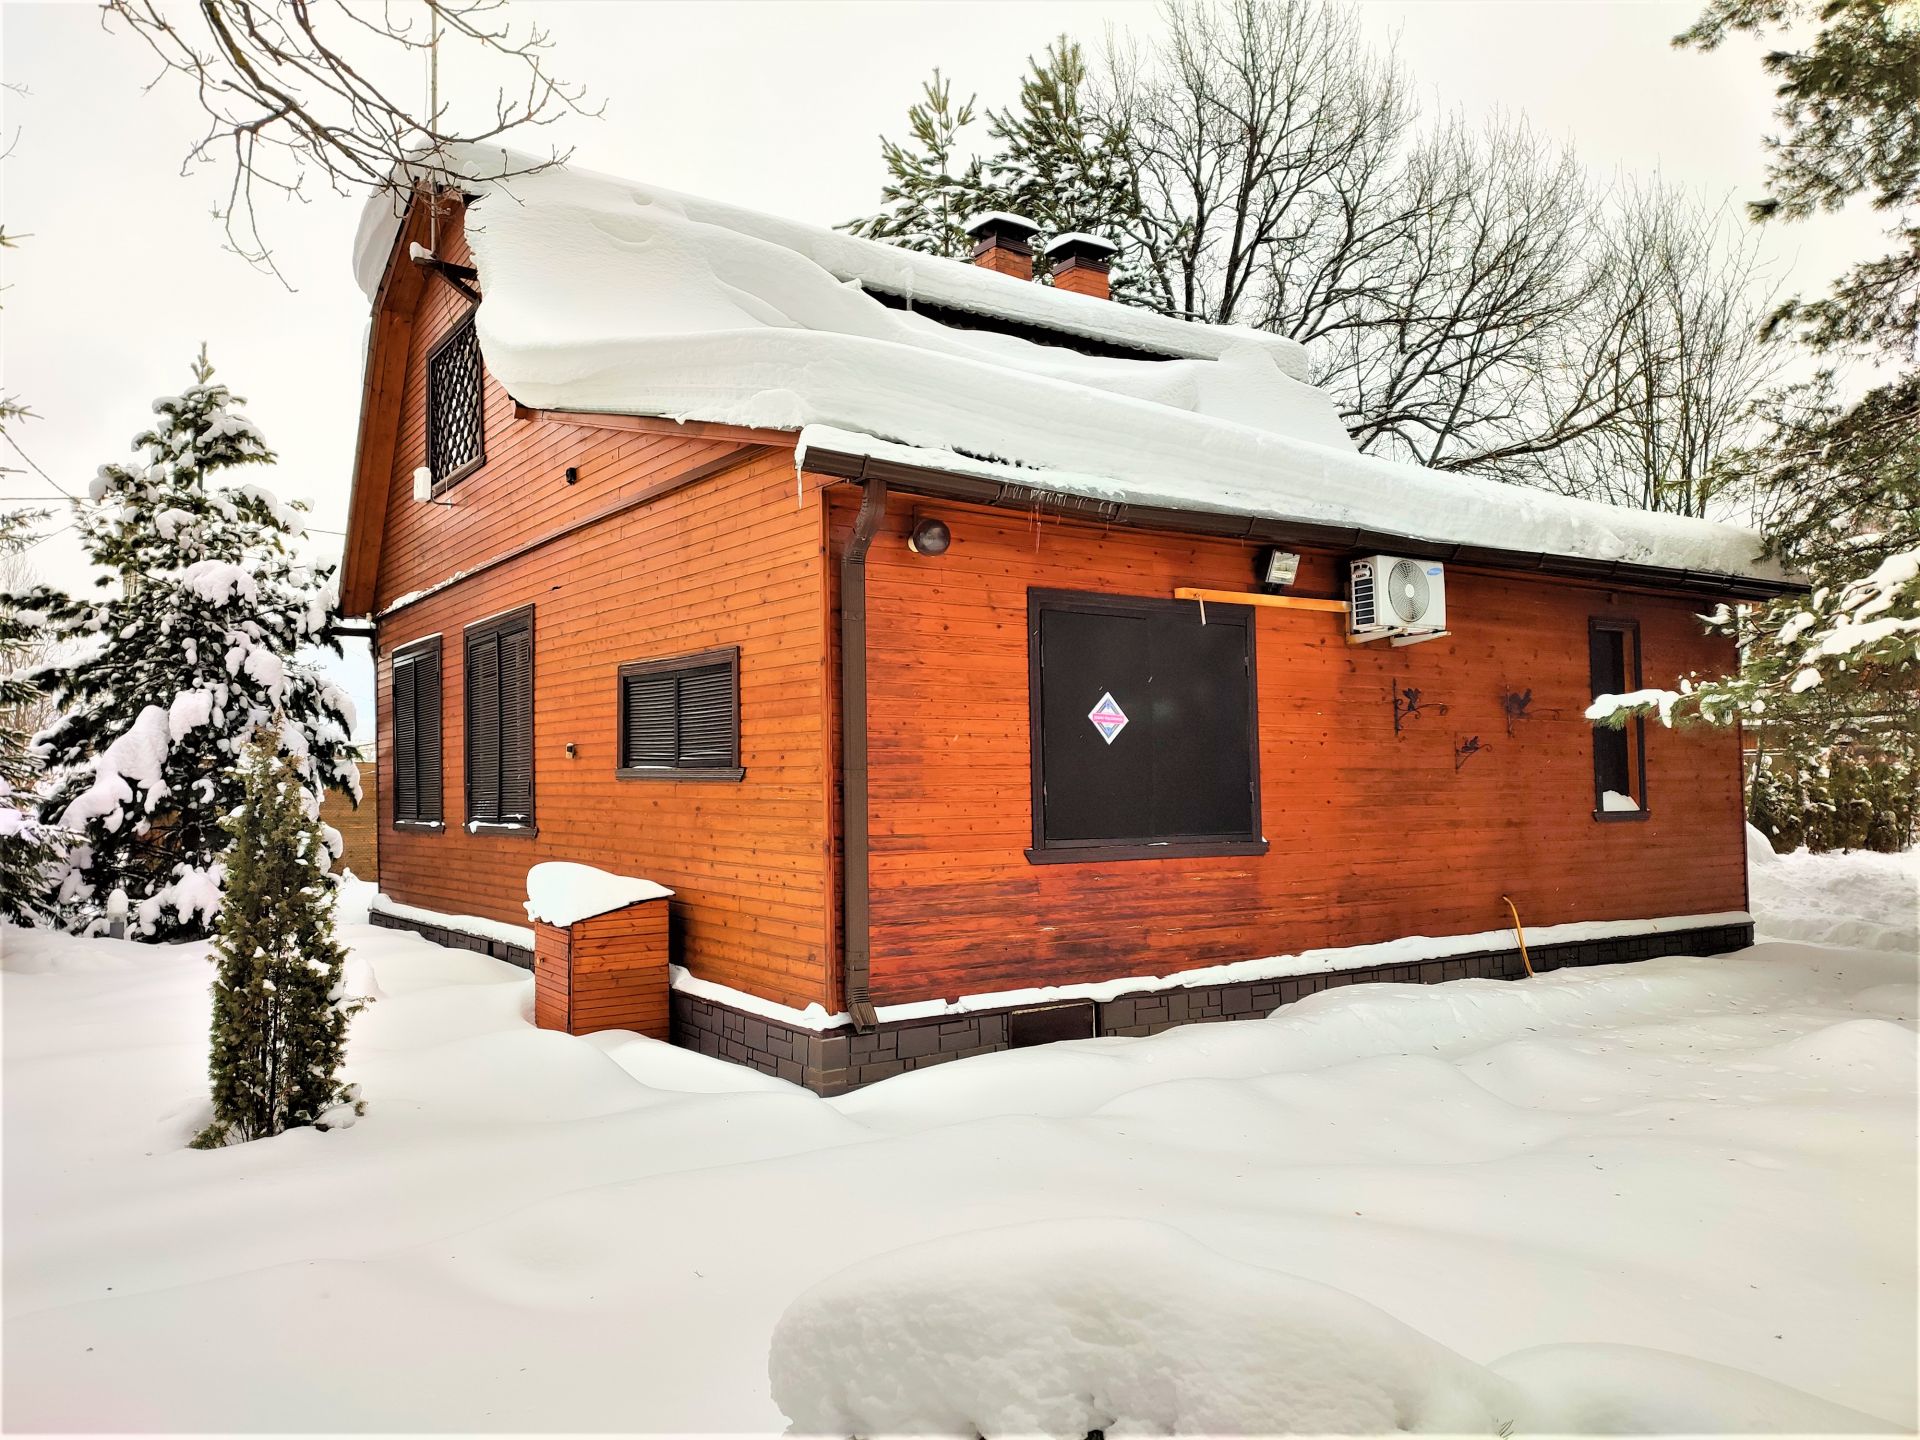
{"points": [[974, 657]]}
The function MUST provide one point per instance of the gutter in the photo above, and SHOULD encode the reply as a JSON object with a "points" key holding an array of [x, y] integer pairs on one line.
{"points": [[856, 950], [952, 485]]}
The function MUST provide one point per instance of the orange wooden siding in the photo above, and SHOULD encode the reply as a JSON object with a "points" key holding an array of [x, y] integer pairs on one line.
{"points": [[730, 560], [1373, 835]]}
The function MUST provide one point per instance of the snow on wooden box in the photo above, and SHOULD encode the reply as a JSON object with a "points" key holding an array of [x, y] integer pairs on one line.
{"points": [[604, 965]]}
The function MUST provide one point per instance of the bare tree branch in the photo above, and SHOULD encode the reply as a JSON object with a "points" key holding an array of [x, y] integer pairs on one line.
{"points": [[284, 100]]}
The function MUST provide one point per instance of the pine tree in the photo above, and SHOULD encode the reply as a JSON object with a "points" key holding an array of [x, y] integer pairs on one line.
{"points": [[926, 197], [1060, 164], [30, 850], [192, 647], [1056, 162], [1837, 488], [280, 1007]]}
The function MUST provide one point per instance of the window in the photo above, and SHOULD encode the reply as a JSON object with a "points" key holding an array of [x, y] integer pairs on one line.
{"points": [[680, 719], [416, 735], [1144, 730], [1619, 755], [456, 425], [500, 721]]}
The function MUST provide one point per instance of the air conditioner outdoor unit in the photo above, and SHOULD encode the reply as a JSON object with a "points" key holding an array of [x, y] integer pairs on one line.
{"points": [[1393, 597]]}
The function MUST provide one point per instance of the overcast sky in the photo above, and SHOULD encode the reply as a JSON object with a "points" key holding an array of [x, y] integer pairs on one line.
{"points": [[773, 105]]}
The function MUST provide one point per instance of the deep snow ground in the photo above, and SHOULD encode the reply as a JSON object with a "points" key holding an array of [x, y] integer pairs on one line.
{"points": [[1712, 1158]]}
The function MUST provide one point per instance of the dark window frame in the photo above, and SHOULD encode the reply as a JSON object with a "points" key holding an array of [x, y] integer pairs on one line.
{"points": [[1071, 852], [507, 623], [728, 655], [460, 330], [1636, 729], [407, 655]]}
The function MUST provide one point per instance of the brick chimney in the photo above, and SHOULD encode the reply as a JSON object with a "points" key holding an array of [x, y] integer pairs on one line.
{"points": [[1081, 263], [1002, 243]]}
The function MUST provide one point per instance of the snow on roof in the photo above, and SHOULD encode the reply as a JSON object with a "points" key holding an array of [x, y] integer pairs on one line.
{"points": [[982, 218], [604, 294], [562, 893], [1270, 478], [1079, 237]]}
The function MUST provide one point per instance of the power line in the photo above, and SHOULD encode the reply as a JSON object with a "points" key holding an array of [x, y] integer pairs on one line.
{"points": [[7, 435]]}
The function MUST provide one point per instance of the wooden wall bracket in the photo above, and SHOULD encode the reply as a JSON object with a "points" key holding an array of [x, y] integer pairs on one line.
{"points": [[1254, 597]]}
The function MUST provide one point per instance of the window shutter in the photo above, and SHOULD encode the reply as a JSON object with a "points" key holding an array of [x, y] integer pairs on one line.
{"points": [[648, 730], [406, 774], [516, 725], [483, 728], [707, 737], [681, 717], [426, 691]]}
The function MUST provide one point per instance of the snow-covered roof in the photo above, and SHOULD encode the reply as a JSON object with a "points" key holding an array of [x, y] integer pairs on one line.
{"points": [[607, 295]]}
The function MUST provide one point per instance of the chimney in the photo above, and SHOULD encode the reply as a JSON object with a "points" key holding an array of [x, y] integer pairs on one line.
{"points": [[1081, 263], [1002, 243]]}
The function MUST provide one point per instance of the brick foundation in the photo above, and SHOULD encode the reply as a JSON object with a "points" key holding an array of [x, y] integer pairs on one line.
{"points": [[835, 1061], [457, 939]]}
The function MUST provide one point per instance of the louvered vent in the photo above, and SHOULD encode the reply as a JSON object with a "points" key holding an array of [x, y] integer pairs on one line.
{"points": [[1365, 613], [680, 715]]}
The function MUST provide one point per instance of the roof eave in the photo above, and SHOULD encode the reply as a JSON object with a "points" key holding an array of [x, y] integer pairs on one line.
{"points": [[937, 483], [392, 320]]}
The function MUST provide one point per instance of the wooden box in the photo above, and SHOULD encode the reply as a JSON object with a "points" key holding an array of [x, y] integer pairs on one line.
{"points": [[604, 973]]}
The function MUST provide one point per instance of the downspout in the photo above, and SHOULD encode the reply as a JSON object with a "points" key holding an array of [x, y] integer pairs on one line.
{"points": [[856, 946]]}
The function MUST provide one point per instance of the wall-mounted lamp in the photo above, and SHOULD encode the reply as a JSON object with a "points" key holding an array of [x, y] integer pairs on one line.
{"points": [[929, 536], [573, 474], [1275, 569]]}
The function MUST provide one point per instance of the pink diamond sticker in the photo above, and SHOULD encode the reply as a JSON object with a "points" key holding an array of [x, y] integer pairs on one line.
{"points": [[1108, 718]]}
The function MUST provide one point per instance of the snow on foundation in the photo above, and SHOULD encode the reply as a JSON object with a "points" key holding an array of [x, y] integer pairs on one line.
{"points": [[1132, 1327], [1407, 950], [477, 925], [560, 892]]}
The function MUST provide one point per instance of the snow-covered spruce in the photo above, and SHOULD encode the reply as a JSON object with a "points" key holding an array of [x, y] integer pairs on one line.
{"points": [[29, 849], [280, 1007], [190, 651]]}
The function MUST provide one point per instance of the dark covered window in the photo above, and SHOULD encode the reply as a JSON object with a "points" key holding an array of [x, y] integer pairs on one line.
{"points": [[1619, 755], [1145, 738], [680, 718], [416, 734], [456, 425], [500, 720]]}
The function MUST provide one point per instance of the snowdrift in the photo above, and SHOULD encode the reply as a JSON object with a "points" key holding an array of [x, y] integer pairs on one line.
{"points": [[1068, 1327]]}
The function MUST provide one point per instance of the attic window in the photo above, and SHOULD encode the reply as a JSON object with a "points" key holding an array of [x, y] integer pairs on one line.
{"points": [[456, 426]]}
